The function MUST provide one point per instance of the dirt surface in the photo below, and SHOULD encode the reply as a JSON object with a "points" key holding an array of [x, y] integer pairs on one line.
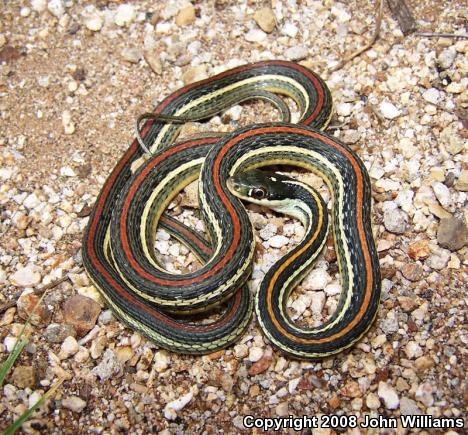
{"points": [[74, 76]]}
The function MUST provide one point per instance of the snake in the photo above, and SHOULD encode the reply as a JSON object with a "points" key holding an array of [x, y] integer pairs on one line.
{"points": [[118, 244]]}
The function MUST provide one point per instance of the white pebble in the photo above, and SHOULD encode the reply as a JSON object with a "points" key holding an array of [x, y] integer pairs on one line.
{"points": [[316, 280], [161, 361], [299, 307], [297, 52], [56, 8], [66, 171], [290, 30], [442, 193], [68, 125], [255, 353], [389, 111], [343, 109], [432, 95], [31, 201], [69, 347], [317, 303], [24, 12], [170, 410], [278, 241], [255, 35], [333, 288], [34, 398], [26, 277], [268, 231], [39, 5], [162, 246], [124, 15], [74, 403], [388, 394]]}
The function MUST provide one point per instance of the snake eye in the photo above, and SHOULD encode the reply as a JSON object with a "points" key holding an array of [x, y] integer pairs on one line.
{"points": [[258, 193]]}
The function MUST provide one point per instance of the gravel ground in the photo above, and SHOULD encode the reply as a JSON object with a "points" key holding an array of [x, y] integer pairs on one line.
{"points": [[74, 75]]}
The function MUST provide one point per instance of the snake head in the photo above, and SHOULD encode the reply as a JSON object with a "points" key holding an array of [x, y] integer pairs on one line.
{"points": [[272, 190]]}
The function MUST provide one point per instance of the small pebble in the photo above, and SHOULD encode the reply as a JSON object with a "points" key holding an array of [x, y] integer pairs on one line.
{"points": [[56, 8], [131, 55], [452, 233], [24, 377], [255, 353], [395, 221], [389, 110], [26, 277], [74, 403], [255, 35], [81, 313], [69, 348], [432, 95], [278, 241], [124, 15], [170, 410], [389, 396], [296, 53], [186, 15], [266, 20]]}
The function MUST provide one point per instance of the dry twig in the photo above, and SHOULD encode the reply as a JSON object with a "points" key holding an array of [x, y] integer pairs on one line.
{"points": [[39, 291], [440, 35], [378, 23]]}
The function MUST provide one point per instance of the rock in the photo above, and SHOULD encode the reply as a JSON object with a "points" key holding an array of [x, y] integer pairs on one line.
{"points": [[124, 15], [442, 193], [439, 259], [462, 182], [161, 361], [68, 125], [26, 277], [23, 377], [419, 250], [282, 409], [452, 233], [131, 55], [124, 354], [39, 5], [92, 19], [108, 367], [81, 312], [372, 401], [31, 201], [74, 403], [424, 363], [409, 407], [241, 350], [255, 353], [98, 346], [56, 333], [29, 307], [255, 35], [412, 271], [260, 366], [406, 303], [268, 231], [69, 348], [66, 171], [389, 111], [446, 57], [316, 280], [153, 60], [317, 303], [344, 109], [278, 241], [56, 8], [186, 15], [194, 74], [432, 96], [266, 20], [395, 221], [388, 394], [296, 53], [413, 350], [289, 29], [190, 196], [424, 394], [170, 410]]}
